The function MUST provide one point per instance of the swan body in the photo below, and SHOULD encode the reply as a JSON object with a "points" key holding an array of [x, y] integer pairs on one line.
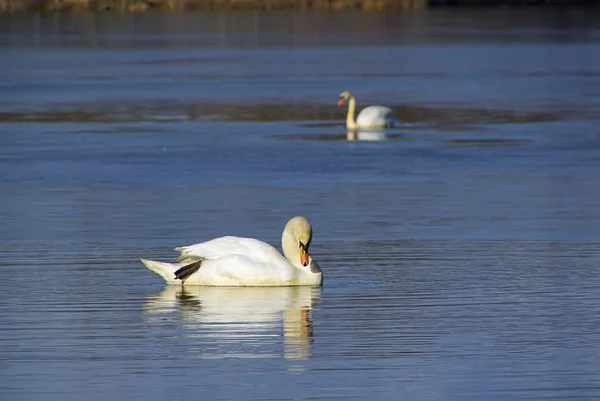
{"points": [[237, 261], [369, 117]]}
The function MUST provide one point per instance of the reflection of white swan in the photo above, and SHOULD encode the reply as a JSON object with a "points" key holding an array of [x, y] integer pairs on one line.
{"points": [[366, 135], [235, 261], [369, 117], [240, 322]]}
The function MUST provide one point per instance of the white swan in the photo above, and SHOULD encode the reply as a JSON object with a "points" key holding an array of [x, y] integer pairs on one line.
{"points": [[369, 117], [235, 261]]}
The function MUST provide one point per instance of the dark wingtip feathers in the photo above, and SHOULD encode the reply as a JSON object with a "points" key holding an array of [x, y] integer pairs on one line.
{"points": [[184, 272]]}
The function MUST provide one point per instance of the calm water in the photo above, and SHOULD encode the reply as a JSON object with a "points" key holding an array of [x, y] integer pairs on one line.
{"points": [[461, 251]]}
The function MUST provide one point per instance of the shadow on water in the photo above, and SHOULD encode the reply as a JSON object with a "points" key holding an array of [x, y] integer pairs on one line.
{"points": [[350, 136], [322, 114], [493, 142], [237, 322]]}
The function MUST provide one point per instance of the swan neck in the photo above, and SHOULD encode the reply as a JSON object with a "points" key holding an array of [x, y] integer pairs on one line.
{"points": [[291, 251], [290, 247], [350, 122]]}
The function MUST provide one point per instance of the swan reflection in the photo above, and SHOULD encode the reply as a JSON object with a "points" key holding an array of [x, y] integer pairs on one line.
{"points": [[239, 322], [366, 135]]}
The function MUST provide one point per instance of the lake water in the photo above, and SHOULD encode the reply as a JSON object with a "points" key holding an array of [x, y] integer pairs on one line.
{"points": [[461, 251]]}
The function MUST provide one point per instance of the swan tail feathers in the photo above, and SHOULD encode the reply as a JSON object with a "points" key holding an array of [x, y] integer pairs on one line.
{"points": [[165, 270]]}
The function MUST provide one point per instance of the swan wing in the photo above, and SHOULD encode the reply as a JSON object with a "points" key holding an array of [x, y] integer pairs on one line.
{"points": [[233, 261], [247, 248], [375, 116]]}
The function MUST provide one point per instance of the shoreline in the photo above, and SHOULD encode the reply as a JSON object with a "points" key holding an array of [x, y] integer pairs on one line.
{"points": [[50, 6]]}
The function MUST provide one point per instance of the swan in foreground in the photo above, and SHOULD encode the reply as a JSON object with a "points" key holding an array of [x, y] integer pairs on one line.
{"points": [[236, 261], [369, 117]]}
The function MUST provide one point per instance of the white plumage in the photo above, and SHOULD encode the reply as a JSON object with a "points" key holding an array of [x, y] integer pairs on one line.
{"points": [[369, 117], [237, 261], [375, 117]]}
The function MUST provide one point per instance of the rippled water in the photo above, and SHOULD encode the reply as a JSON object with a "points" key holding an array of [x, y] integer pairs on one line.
{"points": [[461, 251]]}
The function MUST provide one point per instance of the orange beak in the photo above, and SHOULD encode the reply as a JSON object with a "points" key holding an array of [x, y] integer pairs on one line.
{"points": [[341, 101], [303, 255]]}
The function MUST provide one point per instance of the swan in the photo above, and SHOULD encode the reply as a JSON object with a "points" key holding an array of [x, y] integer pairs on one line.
{"points": [[369, 117], [236, 261]]}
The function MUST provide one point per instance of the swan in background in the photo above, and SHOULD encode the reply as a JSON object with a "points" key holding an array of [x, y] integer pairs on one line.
{"points": [[235, 261], [241, 322], [369, 117]]}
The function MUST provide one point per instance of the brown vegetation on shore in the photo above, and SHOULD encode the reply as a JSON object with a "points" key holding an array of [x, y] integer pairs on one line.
{"points": [[12, 6], [8, 6]]}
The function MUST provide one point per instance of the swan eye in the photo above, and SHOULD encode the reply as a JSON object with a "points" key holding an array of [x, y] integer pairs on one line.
{"points": [[303, 246]]}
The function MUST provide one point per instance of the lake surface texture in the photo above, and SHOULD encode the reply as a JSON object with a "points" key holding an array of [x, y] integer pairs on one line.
{"points": [[460, 249]]}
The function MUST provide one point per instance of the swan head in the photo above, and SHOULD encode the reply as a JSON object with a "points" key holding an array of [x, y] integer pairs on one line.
{"points": [[295, 241], [345, 95]]}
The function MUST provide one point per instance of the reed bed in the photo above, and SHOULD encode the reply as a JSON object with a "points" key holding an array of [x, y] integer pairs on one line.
{"points": [[15, 6]]}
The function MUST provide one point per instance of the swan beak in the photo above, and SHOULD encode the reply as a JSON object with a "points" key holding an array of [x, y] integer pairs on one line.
{"points": [[341, 101], [303, 254]]}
